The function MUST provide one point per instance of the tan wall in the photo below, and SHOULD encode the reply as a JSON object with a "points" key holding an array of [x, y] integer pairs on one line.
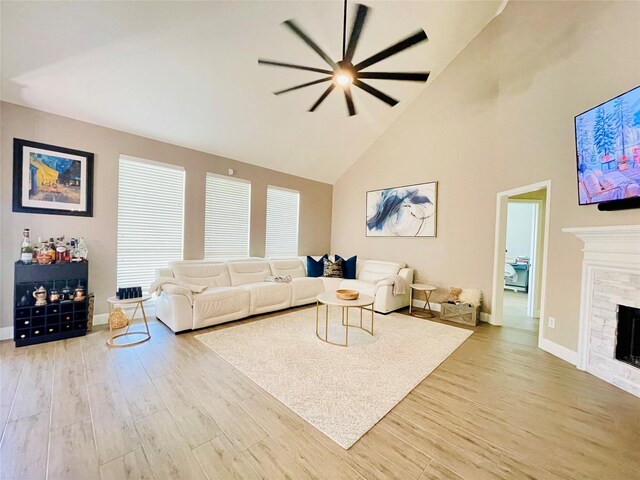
{"points": [[100, 230], [499, 117]]}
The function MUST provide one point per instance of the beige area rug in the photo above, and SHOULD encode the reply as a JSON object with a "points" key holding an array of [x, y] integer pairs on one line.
{"points": [[342, 391]]}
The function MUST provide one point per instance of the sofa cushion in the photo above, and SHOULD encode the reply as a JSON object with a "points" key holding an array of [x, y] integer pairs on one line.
{"points": [[214, 274], [223, 303], [375, 270], [331, 284], [305, 290], [289, 266], [332, 269], [349, 267], [315, 267], [268, 296], [242, 273], [362, 286]]}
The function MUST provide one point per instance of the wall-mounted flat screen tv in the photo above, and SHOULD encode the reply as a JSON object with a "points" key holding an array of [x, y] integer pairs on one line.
{"points": [[608, 150]]}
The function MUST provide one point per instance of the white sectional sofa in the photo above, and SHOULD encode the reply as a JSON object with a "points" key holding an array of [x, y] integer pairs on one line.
{"points": [[237, 289]]}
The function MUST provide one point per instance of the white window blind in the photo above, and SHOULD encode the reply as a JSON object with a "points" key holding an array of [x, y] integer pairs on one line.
{"points": [[227, 214], [282, 222], [150, 219]]}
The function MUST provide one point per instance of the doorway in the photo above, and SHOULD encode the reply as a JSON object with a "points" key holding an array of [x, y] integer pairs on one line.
{"points": [[522, 217]]}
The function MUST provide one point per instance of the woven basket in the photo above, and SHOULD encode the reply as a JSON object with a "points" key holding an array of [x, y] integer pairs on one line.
{"points": [[118, 319]]}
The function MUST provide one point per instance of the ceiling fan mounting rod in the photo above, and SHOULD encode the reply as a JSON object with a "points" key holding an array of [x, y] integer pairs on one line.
{"points": [[344, 31]]}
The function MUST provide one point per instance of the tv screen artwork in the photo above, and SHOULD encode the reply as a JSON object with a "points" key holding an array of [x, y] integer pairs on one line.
{"points": [[608, 150]]}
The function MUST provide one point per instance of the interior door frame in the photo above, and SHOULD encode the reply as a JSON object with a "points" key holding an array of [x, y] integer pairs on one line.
{"points": [[536, 219], [497, 297]]}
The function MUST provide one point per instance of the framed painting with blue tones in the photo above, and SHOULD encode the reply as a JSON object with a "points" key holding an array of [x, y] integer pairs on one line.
{"points": [[52, 180], [408, 211]]}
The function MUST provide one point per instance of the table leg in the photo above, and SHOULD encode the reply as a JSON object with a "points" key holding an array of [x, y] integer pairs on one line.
{"points": [[317, 308], [346, 337], [326, 322], [410, 299], [144, 317]]}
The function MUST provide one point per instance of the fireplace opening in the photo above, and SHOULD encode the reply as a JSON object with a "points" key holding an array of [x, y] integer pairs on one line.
{"points": [[628, 337]]}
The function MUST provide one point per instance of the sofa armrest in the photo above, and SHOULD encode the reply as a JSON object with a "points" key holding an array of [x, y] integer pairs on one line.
{"points": [[407, 274], [178, 290]]}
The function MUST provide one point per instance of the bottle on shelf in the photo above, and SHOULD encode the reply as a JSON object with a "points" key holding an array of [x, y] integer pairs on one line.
{"points": [[60, 250], [67, 253], [26, 249], [52, 250], [36, 251], [83, 251]]}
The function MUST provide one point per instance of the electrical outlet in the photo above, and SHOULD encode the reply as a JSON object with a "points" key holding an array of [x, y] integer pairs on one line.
{"points": [[552, 322]]}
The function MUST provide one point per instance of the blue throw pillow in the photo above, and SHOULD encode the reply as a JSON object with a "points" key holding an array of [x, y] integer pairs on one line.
{"points": [[349, 267], [315, 268]]}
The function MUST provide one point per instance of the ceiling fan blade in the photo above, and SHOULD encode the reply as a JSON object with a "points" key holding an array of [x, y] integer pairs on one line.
{"points": [[406, 76], [308, 84], [356, 30], [305, 38], [375, 92], [322, 97], [419, 36], [291, 65], [349, 99]]}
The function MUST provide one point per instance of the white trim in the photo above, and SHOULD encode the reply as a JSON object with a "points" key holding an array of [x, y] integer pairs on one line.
{"points": [[6, 333], [559, 351], [610, 248], [502, 199]]}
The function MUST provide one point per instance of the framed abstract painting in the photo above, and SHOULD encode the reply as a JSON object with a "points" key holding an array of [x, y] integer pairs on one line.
{"points": [[52, 180], [408, 211]]}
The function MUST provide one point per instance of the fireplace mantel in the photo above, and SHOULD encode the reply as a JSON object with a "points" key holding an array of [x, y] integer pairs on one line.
{"points": [[613, 253]]}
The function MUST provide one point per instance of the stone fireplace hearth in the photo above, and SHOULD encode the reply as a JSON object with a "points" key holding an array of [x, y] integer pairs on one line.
{"points": [[610, 292]]}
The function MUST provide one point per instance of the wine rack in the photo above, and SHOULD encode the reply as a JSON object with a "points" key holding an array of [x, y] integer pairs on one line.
{"points": [[54, 321]]}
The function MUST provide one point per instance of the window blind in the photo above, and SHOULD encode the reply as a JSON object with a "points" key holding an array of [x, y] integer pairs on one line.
{"points": [[227, 217], [282, 222], [150, 219]]}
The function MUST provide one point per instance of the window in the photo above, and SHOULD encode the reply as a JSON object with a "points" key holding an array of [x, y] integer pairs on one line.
{"points": [[282, 222], [227, 213], [150, 219]]}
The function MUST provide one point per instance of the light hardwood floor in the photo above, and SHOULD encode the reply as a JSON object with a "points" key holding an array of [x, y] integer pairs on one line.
{"points": [[497, 408]]}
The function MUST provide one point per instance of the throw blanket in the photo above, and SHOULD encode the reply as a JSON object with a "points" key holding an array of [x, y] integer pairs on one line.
{"points": [[281, 279], [156, 286], [398, 282]]}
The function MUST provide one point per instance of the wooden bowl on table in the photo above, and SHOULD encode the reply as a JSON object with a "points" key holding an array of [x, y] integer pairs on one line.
{"points": [[344, 294]]}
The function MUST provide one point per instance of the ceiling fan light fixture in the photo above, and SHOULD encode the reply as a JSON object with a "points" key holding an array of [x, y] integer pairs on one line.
{"points": [[343, 78]]}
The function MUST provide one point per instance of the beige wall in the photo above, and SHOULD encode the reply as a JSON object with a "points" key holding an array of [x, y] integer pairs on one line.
{"points": [[499, 117], [100, 230]]}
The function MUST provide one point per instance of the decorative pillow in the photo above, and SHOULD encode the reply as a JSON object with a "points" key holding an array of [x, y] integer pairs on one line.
{"points": [[349, 266], [315, 267], [613, 180], [332, 269]]}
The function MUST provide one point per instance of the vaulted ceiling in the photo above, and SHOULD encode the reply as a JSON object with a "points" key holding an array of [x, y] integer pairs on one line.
{"points": [[187, 73]]}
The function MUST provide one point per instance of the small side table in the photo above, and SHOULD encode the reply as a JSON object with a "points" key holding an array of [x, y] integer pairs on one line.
{"points": [[428, 290], [139, 305]]}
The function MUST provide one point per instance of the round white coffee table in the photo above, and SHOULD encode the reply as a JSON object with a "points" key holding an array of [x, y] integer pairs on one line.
{"points": [[138, 302], [428, 290], [330, 299]]}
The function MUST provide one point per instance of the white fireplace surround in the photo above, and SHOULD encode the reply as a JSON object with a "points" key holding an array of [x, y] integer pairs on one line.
{"points": [[610, 277]]}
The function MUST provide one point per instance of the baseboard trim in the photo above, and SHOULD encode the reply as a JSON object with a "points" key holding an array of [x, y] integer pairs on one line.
{"points": [[559, 351], [6, 333], [103, 318], [420, 304]]}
